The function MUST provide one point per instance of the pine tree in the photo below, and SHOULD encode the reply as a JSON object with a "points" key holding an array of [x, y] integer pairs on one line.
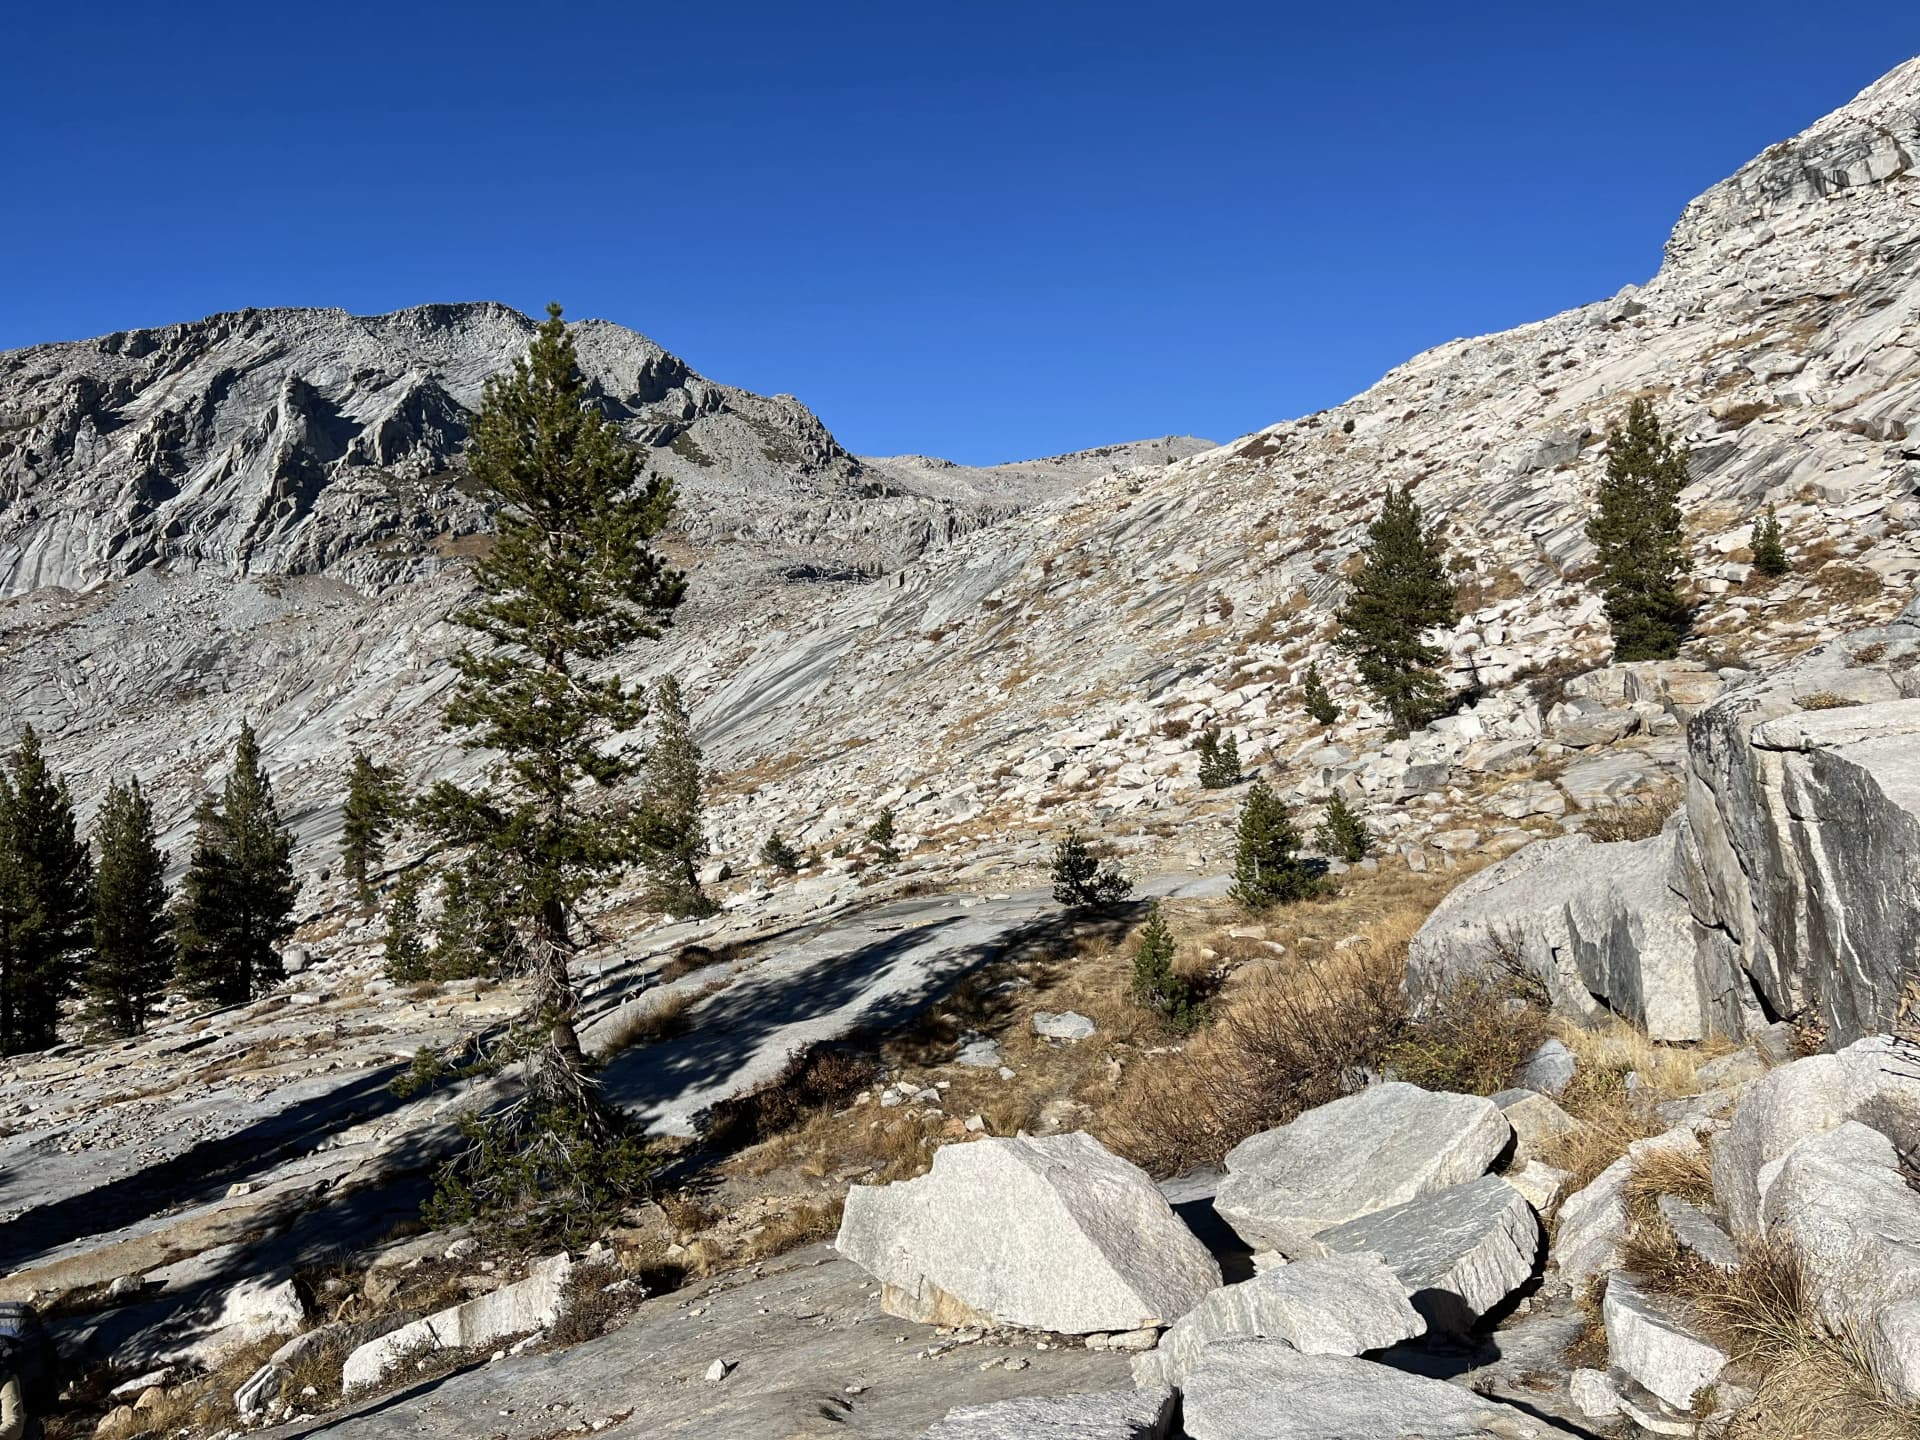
{"points": [[1400, 593], [780, 855], [373, 803], [1343, 833], [406, 951], [1636, 531], [1219, 760], [1078, 879], [1314, 697], [670, 808], [46, 901], [1267, 870], [880, 835], [1770, 546], [236, 903], [570, 582], [132, 936], [1156, 984]]}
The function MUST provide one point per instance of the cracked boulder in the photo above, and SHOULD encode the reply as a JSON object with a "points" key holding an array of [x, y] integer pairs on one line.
{"points": [[1049, 1233], [1364, 1152], [1459, 1252]]}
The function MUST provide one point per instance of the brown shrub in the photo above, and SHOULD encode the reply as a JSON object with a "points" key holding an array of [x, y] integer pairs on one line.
{"points": [[1283, 1044], [821, 1077], [1473, 1038], [1823, 700], [1849, 584]]}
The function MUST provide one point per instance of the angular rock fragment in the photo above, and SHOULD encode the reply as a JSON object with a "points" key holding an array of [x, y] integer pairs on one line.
{"points": [[1649, 1341], [1108, 1415], [1264, 1389], [1050, 1232], [1342, 1305], [526, 1305], [1459, 1252]]}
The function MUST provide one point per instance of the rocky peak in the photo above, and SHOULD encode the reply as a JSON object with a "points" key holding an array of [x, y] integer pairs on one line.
{"points": [[1864, 143]]}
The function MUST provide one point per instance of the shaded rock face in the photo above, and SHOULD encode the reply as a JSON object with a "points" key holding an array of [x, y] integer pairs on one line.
{"points": [[1803, 829], [1366, 1152], [1050, 1233], [1788, 886]]}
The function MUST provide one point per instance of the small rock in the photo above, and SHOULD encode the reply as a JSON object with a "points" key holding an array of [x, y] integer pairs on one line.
{"points": [[1067, 1025], [719, 1370]]}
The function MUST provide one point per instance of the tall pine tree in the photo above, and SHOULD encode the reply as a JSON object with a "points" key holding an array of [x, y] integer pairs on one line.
{"points": [[132, 940], [670, 808], [570, 581], [1400, 592], [1636, 531], [373, 801], [236, 903], [46, 882]]}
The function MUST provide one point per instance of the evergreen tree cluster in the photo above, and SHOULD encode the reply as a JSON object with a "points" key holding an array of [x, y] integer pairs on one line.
{"points": [[95, 925]]}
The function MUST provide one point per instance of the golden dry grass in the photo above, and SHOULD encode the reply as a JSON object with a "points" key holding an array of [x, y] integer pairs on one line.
{"points": [[1811, 1383]]}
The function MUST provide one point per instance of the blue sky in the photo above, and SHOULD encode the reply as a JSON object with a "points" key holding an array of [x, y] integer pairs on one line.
{"points": [[982, 230]]}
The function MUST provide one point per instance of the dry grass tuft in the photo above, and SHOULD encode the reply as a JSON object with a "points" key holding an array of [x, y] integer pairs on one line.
{"points": [[1811, 1382], [667, 1016], [800, 1225], [1634, 822]]}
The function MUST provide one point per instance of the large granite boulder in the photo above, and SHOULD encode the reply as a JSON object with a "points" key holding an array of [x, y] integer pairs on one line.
{"points": [[1596, 924], [1050, 1233], [1459, 1252], [1364, 1152], [1804, 829], [1262, 1389], [1840, 1201], [1788, 885], [1108, 1415], [1342, 1305]]}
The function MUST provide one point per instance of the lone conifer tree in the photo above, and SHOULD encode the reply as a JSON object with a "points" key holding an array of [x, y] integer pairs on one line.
{"points": [[132, 937], [1267, 870], [670, 808], [779, 854], [46, 880], [1344, 833], [406, 951], [373, 799], [1770, 546], [1636, 530], [1314, 697], [1078, 879], [1400, 592], [571, 580], [1156, 984], [236, 903]]}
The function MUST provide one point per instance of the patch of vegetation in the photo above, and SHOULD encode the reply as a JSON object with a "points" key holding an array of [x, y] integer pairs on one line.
{"points": [[1079, 879]]}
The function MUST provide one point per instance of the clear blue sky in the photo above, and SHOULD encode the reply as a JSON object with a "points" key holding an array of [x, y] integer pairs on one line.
{"points": [[984, 230]]}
